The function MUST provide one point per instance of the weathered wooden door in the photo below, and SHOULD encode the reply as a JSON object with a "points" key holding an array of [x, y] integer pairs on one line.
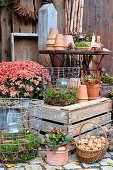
{"points": [[0, 37], [98, 17]]}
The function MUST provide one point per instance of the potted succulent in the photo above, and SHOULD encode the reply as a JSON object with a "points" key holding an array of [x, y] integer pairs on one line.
{"points": [[81, 46], [58, 142], [93, 84]]}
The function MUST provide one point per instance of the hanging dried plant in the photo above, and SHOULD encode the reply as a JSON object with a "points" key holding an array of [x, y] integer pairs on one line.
{"points": [[21, 11]]}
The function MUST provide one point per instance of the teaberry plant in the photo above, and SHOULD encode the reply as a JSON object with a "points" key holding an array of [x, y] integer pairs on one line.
{"points": [[21, 79], [91, 80], [57, 138]]}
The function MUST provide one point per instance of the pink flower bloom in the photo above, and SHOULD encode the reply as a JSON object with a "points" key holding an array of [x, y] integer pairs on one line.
{"points": [[2, 87], [22, 85], [13, 93], [36, 82], [39, 78], [6, 89], [26, 94], [12, 89], [37, 89], [18, 82], [29, 88]]}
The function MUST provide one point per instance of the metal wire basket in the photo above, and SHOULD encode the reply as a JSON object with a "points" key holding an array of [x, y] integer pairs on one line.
{"points": [[61, 85], [108, 128], [20, 125]]}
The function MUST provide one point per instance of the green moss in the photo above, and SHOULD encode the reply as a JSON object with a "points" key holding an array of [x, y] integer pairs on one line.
{"points": [[20, 150], [81, 44], [61, 97]]}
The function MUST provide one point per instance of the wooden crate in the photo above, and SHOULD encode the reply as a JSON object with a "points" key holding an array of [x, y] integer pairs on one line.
{"points": [[72, 117]]}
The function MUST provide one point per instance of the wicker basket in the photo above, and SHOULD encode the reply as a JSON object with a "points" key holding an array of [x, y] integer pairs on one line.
{"points": [[89, 157]]}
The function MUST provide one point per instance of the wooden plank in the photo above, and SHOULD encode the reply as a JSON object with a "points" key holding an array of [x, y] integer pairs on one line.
{"points": [[92, 110], [110, 37], [74, 129], [26, 49], [86, 104], [5, 34], [86, 16], [92, 15], [46, 126], [16, 34], [0, 38], [12, 48], [60, 15], [55, 114], [19, 23]]}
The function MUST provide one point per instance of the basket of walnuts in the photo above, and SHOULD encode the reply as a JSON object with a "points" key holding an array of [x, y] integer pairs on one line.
{"points": [[91, 149]]}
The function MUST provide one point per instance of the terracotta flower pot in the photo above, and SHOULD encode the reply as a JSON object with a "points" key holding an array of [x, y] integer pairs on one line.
{"points": [[67, 40], [83, 96], [82, 48], [57, 158], [93, 91], [59, 42], [52, 33], [50, 44], [50, 41]]}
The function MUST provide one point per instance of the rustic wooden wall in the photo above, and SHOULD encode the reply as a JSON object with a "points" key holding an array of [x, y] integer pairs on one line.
{"points": [[15, 23], [0, 38], [98, 17]]}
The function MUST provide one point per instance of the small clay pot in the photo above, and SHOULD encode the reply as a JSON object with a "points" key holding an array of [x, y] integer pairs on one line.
{"points": [[83, 95], [59, 48], [59, 42], [51, 41], [57, 158], [67, 40], [52, 33], [50, 44], [93, 91]]}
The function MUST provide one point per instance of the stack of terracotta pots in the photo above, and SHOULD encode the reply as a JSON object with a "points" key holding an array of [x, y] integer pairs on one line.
{"points": [[59, 42], [51, 38], [83, 95], [68, 39]]}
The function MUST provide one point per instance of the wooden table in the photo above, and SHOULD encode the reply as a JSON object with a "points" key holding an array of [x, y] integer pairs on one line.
{"points": [[87, 57]]}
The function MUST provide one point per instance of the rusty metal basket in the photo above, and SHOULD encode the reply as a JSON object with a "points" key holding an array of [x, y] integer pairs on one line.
{"points": [[89, 157]]}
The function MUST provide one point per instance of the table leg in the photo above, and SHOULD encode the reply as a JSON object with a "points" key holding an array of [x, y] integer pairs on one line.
{"points": [[99, 63], [52, 60]]}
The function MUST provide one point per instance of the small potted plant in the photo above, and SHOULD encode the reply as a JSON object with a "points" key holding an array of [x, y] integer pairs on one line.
{"points": [[58, 142], [61, 96], [110, 93], [81, 46], [93, 84]]}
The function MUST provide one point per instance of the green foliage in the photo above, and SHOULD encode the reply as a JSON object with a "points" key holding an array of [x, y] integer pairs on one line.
{"points": [[91, 80], [81, 44], [61, 97], [107, 79], [58, 137], [4, 4], [20, 149], [110, 93], [88, 36]]}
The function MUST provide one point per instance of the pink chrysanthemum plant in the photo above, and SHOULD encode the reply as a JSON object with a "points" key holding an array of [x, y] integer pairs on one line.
{"points": [[57, 138], [21, 79]]}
